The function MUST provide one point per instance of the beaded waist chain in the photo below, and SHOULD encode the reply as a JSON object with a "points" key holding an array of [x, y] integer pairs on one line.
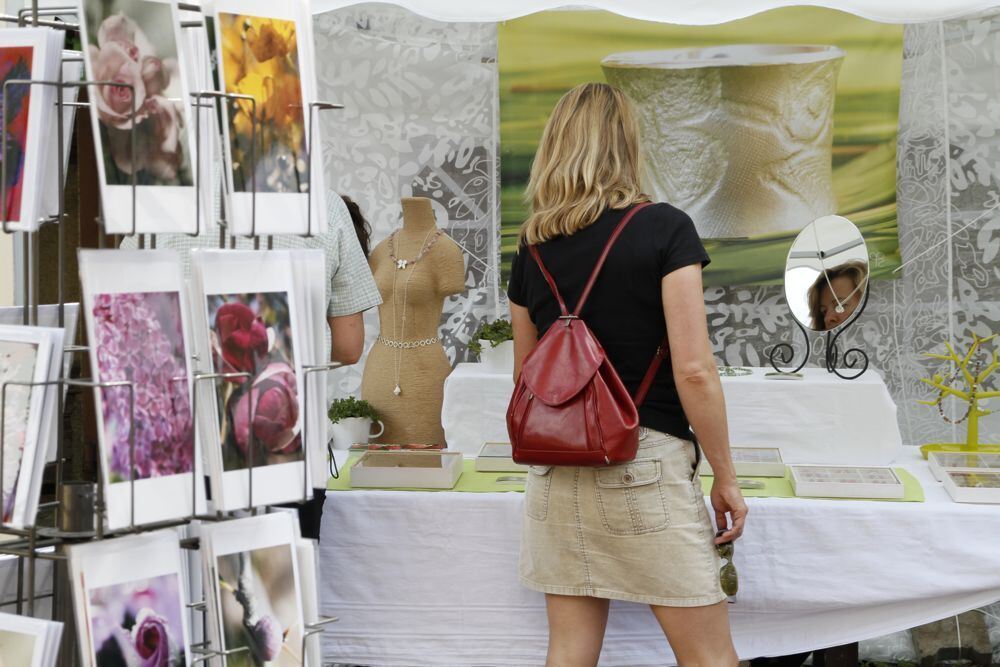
{"points": [[408, 344]]}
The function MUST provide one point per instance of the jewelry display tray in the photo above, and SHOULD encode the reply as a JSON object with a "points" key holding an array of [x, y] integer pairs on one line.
{"points": [[496, 457], [407, 470], [973, 486], [751, 462], [866, 482], [967, 461]]}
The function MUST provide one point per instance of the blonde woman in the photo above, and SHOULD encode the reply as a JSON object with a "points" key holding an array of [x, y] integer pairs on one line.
{"points": [[638, 531], [836, 294]]}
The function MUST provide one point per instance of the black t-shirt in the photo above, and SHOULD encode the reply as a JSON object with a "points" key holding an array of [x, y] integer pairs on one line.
{"points": [[625, 308]]}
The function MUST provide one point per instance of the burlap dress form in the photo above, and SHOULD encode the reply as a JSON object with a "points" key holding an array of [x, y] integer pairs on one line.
{"points": [[413, 416]]}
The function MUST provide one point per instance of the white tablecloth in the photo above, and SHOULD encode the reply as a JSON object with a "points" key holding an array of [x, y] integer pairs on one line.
{"points": [[819, 419], [423, 578]]}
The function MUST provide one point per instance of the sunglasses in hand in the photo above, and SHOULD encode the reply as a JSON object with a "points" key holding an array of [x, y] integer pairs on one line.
{"points": [[727, 574]]}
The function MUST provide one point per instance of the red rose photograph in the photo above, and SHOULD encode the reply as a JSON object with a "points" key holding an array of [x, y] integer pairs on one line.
{"points": [[259, 415]]}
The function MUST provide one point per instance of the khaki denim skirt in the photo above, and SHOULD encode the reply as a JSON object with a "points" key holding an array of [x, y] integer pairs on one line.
{"points": [[637, 531]]}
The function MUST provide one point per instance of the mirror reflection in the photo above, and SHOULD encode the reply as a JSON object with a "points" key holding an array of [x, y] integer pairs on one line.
{"points": [[826, 274]]}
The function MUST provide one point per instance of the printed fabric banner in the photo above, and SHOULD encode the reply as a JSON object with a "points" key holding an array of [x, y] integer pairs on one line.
{"points": [[755, 128]]}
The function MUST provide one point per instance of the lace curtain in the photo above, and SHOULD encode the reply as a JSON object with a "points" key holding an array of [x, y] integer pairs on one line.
{"points": [[420, 120]]}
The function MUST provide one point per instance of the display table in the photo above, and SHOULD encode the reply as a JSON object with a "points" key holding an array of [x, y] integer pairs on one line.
{"points": [[819, 419], [421, 578]]}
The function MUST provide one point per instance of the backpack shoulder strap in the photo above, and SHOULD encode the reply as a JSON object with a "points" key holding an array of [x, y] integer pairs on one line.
{"points": [[549, 279], [597, 268], [647, 381], [627, 218]]}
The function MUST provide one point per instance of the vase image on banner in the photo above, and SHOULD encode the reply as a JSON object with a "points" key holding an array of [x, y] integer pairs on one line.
{"points": [[129, 595], [738, 136], [136, 43], [26, 54], [250, 323], [264, 51], [146, 433]]}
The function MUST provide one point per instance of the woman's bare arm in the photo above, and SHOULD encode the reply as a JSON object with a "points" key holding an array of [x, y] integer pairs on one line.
{"points": [[700, 391]]}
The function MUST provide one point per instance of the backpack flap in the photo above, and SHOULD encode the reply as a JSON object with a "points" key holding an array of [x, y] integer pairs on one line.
{"points": [[563, 363]]}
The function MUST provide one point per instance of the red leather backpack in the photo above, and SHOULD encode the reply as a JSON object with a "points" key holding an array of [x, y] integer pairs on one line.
{"points": [[569, 406]]}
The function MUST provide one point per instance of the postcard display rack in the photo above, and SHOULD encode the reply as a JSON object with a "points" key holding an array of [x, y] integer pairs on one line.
{"points": [[49, 542]]}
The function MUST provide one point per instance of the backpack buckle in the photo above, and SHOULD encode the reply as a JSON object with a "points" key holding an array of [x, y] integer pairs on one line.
{"points": [[567, 319]]}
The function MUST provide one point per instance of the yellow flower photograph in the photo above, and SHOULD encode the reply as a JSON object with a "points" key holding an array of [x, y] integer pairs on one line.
{"points": [[260, 59]]}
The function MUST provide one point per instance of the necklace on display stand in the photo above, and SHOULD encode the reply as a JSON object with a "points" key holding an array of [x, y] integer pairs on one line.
{"points": [[399, 344]]}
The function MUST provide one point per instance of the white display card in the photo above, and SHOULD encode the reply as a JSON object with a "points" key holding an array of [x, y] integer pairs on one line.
{"points": [[135, 309], [284, 169], [247, 321], [130, 597], [162, 163]]}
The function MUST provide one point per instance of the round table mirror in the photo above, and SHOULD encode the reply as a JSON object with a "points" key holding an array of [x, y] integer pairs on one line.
{"points": [[826, 275]]}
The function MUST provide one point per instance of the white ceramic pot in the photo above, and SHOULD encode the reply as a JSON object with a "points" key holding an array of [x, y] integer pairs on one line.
{"points": [[354, 430], [737, 136], [499, 358]]}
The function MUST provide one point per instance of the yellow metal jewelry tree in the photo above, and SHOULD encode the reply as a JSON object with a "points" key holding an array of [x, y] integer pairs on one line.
{"points": [[974, 391]]}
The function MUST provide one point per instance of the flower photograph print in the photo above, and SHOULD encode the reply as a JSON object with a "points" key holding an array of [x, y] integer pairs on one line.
{"points": [[260, 59], [259, 416], [138, 623], [133, 42], [257, 597], [15, 63], [139, 338], [17, 364]]}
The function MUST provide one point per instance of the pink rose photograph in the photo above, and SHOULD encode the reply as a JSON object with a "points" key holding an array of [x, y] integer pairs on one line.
{"points": [[133, 42], [138, 623], [252, 333]]}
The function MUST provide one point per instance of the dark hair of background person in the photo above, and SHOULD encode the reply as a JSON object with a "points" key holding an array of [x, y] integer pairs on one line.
{"points": [[361, 227]]}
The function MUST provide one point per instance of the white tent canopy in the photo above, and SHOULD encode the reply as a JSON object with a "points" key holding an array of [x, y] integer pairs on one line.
{"points": [[683, 12]]}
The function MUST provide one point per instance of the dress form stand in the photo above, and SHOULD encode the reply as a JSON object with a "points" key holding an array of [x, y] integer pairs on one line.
{"points": [[418, 265]]}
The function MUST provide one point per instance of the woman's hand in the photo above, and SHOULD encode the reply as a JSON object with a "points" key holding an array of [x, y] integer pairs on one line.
{"points": [[728, 499]]}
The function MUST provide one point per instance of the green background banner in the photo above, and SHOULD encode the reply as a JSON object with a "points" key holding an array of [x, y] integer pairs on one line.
{"points": [[543, 55]]}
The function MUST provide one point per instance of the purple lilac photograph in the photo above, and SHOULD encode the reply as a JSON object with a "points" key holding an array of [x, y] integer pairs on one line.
{"points": [[138, 623], [140, 339], [251, 333], [260, 610]]}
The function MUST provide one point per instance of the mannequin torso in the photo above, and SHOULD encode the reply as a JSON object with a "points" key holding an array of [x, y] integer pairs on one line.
{"points": [[408, 354]]}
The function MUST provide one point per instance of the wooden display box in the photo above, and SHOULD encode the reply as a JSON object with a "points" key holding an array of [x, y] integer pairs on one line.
{"points": [[407, 469], [497, 457]]}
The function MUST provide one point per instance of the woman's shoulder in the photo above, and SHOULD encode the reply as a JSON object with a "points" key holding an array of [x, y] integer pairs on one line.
{"points": [[662, 212]]}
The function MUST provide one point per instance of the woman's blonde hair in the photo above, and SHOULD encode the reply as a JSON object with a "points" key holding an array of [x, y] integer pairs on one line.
{"points": [[587, 161]]}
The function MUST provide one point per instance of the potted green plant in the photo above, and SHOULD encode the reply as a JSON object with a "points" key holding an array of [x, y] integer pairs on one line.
{"points": [[352, 422], [494, 343]]}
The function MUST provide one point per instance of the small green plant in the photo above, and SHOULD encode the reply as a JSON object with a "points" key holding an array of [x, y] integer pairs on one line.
{"points": [[495, 332], [345, 408]]}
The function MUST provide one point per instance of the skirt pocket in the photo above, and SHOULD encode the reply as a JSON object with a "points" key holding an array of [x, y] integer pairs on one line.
{"points": [[630, 497], [536, 492]]}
